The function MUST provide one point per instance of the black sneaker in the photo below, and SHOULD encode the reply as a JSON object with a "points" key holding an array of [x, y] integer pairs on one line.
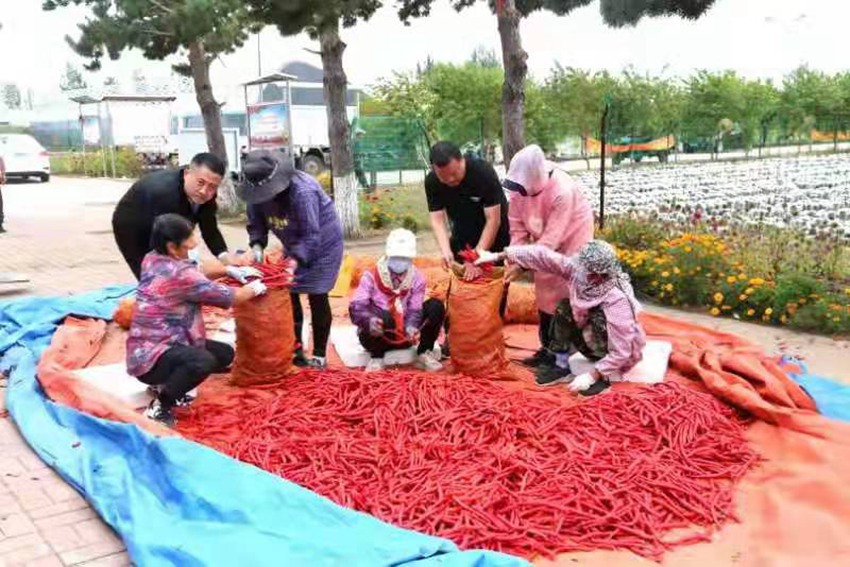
{"points": [[182, 402], [317, 363], [550, 375], [299, 359], [159, 413], [596, 388], [2, 230], [540, 358]]}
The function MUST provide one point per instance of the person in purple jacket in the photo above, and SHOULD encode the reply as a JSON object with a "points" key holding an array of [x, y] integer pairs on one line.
{"points": [[293, 206], [390, 310]]}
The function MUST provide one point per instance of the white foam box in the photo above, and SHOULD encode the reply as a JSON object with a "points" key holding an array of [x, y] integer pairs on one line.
{"points": [[347, 346], [650, 370]]}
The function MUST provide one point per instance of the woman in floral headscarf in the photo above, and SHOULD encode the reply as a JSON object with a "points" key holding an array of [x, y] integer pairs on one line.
{"points": [[598, 316]]}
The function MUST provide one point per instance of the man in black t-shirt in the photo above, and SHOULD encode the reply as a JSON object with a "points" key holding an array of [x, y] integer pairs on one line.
{"points": [[465, 194]]}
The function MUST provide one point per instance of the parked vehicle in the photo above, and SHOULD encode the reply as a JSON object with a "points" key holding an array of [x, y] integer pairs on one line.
{"points": [[24, 157]]}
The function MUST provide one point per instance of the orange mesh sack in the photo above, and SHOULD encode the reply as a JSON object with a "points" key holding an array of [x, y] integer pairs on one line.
{"points": [[123, 315], [265, 339], [522, 304], [475, 330]]}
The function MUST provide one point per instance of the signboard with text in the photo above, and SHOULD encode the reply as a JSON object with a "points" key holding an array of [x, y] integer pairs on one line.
{"points": [[269, 125]]}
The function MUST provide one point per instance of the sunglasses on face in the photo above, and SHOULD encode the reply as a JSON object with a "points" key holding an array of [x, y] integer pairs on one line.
{"points": [[515, 187]]}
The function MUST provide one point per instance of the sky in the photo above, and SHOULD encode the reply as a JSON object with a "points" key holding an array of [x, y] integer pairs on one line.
{"points": [[757, 38]]}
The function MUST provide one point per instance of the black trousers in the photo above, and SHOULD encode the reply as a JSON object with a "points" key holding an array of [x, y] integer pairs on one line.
{"points": [[183, 368], [433, 313], [544, 329], [320, 317], [133, 243]]}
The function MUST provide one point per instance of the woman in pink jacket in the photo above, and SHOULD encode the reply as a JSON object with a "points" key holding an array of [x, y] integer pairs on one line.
{"points": [[547, 207], [597, 317]]}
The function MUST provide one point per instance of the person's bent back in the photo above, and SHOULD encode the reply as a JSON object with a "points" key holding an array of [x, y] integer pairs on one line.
{"points": [[189, 192]]}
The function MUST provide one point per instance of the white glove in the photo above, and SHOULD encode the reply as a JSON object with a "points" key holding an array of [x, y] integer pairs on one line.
{"points": [[259, 254], [242, 273], [582, 382], [487, 257], [258, 287]]}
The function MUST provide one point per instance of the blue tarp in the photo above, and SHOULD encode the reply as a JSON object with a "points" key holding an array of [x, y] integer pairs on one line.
{"points": [[831, 397], [175, 502]]}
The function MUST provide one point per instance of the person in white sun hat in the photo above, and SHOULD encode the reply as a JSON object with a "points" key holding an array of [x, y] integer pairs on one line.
{"points": [[390, 310]]}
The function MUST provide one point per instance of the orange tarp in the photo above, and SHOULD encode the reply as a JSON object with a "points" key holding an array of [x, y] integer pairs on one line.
{"points": [[818, 136], [594, 147], [794, 508]]}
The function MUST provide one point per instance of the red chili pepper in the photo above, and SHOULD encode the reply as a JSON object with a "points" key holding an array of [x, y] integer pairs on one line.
{"points": [[491, 467]]}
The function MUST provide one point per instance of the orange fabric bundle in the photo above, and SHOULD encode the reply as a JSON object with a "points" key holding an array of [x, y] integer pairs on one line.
{"points": [[123, 315], [265, 339], [522, 305], [363, 264], [437, 282], [475, 330]]}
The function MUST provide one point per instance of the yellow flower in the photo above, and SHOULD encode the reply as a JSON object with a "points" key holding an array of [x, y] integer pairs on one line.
{"points": [[718, 298], [715, 311], [727, 308], [661, 295], [699, 269], [665, 274], [847, 291], [677, 271], [756, 281], [749, 291], [668, 287], [768, 312], [803, 301], [731, 279], [751, 312], [653, 283], [783, 319], [689, 249], [742, 297]]}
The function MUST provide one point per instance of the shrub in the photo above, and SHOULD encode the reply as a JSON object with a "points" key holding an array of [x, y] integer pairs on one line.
{"points": [[409, 222]]}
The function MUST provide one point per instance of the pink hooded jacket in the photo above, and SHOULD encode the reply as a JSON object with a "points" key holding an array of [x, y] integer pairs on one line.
{"points": [[555, 214]]}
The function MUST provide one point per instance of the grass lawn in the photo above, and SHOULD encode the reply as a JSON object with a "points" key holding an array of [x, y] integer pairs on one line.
{"points": [[403, 206]]}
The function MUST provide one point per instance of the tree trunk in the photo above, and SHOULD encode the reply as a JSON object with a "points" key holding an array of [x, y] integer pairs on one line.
{"points": [[339, 131], [211, 113], [513, 90]]}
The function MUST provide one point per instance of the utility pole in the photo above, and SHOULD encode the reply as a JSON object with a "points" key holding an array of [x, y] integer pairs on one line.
{"points": [[604, 139]]}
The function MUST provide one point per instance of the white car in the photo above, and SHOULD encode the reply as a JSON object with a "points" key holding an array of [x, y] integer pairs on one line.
{"points": [[24, 157]]}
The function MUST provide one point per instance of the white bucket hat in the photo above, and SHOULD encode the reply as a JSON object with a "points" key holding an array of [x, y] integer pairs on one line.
{"points": [[401, 243]]}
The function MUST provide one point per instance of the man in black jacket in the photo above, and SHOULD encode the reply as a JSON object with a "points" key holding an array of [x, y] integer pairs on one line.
{"points": [[189, 192]]}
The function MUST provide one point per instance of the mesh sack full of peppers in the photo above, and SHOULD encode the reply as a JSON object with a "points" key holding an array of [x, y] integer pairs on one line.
{"points": [[265, 334]]}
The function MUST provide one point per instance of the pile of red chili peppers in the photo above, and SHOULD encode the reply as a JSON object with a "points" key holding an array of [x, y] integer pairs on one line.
{"points": [[278, 274], [523, 472], [470, 255]]}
